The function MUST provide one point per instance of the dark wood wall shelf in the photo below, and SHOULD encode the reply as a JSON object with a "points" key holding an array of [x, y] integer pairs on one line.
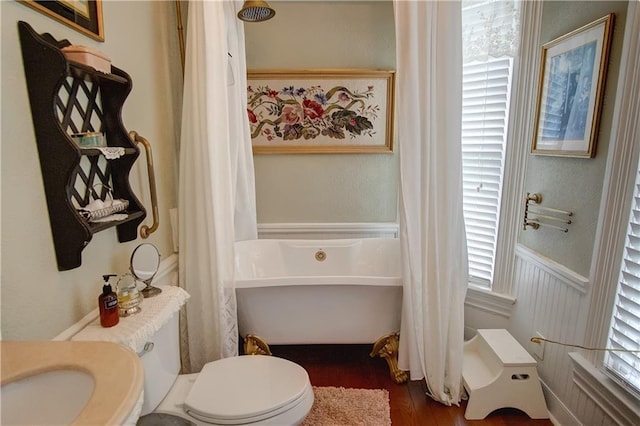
{"points": [[67, 97], [92, 152]]}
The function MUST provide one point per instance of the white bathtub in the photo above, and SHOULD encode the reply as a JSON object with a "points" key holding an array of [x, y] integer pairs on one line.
{"points": [[318, 291]]}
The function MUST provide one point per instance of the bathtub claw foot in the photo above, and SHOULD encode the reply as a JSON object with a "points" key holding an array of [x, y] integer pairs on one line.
{"points": [[253, 345], [387, 347]]}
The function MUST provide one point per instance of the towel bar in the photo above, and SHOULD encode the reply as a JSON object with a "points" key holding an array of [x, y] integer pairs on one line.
{"points": [[145, 230], [537, 221]]}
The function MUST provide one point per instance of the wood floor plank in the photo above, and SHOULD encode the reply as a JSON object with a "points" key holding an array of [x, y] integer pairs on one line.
{"points": [[350, 366]]}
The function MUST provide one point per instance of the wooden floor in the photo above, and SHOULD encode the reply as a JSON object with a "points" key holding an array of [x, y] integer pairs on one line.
{"points": [[350, 366]]}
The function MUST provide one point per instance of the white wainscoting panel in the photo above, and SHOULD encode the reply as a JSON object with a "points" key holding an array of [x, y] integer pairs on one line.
{"points": [[552, 300], [611, 399]]}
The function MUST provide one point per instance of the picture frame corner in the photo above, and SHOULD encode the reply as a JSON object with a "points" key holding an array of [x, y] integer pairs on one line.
{"points": [[89, 21]]}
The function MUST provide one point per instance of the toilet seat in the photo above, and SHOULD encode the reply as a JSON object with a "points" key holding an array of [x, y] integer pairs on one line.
{"points": [[247, 389]]}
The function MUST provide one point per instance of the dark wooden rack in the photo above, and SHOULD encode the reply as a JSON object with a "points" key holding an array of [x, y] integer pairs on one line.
{"points": [[67, 97]]}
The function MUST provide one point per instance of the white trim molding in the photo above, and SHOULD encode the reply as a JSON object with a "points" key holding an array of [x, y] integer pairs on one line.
{"points": [[519, 134], [489, 301], [615, 402], [328, 230], [619, 180], [559, 413], [555, 269]]}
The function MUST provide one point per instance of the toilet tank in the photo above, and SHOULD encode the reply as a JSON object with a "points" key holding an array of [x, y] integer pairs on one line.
{"points": [[161, 362], [153, 334]]}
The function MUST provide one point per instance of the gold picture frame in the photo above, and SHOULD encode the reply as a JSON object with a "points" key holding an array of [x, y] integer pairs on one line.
{"points": [[321, 111], [84, 16], [572, 77]]}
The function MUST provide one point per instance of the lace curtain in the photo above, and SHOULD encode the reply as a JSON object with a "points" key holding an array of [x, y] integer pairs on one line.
{"points": [[490, 29]]}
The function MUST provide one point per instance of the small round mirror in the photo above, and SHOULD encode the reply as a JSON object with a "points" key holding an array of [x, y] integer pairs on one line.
{"points": [[145, 261]]}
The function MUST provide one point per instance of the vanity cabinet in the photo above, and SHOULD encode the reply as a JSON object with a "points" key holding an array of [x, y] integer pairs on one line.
{"points": [[68, 98]]}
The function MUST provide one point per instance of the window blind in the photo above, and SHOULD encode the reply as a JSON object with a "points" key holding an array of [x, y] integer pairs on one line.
{"points": [[485, 103], [625, 324], [490, 37]]}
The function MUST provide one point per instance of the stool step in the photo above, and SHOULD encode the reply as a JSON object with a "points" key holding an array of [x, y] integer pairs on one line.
{"points": [[498, 372], [506, 347], [475, 371]]}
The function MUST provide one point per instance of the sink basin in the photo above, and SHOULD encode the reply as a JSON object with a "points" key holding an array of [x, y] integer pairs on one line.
{"points": [[55, 382], [60, 396]]}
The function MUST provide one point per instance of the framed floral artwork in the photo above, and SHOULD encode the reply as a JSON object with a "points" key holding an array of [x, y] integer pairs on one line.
{"points": [[84, 16], [572, 77], [321, 111]]}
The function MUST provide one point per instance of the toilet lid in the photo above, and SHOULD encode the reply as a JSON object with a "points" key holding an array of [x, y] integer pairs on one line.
{"points": [[246, 388]]}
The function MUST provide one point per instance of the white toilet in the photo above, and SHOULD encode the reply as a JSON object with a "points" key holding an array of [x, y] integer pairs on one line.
{"points": [[251, 389]]}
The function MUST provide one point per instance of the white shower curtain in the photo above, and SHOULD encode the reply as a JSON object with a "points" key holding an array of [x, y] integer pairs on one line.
{"points": [[435, 270], [216, 185]]}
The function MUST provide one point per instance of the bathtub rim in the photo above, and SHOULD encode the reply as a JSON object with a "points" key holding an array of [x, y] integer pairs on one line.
{"points": [[319, 280]]}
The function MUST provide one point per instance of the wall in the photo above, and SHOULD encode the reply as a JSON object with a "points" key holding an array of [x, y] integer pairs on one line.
{"points": [[316, 188], [574, 184], [38, 301]]}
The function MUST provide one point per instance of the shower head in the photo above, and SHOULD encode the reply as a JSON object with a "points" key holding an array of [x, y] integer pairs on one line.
{"points": [[256, 11]]}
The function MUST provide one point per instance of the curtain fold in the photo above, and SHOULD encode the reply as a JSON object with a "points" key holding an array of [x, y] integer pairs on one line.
{"points": [[216, 197], [434, 252]]}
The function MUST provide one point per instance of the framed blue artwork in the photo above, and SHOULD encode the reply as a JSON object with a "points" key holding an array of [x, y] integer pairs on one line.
{"points": [[572, 77]]}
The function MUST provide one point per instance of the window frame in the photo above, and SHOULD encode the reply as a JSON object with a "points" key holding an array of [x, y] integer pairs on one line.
{"points": [[497, 295], [615, 204], [624, 247], [498, 298]]}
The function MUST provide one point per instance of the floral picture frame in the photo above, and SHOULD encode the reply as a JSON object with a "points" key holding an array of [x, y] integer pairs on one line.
{"points": [[572, 78], [321, 111], [84, 16]]}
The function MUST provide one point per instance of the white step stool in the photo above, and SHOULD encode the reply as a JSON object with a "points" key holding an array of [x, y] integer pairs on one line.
{"points": [[498, 373]]}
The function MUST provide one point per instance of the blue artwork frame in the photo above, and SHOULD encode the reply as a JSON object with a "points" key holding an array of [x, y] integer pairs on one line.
{"points": [[572, 77]]}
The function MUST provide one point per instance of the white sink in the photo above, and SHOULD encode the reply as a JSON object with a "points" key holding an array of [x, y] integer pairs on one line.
{"points": [[58, 395]]}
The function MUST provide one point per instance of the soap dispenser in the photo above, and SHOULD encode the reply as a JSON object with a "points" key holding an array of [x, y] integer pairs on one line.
{"points": [[108, 304]]}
